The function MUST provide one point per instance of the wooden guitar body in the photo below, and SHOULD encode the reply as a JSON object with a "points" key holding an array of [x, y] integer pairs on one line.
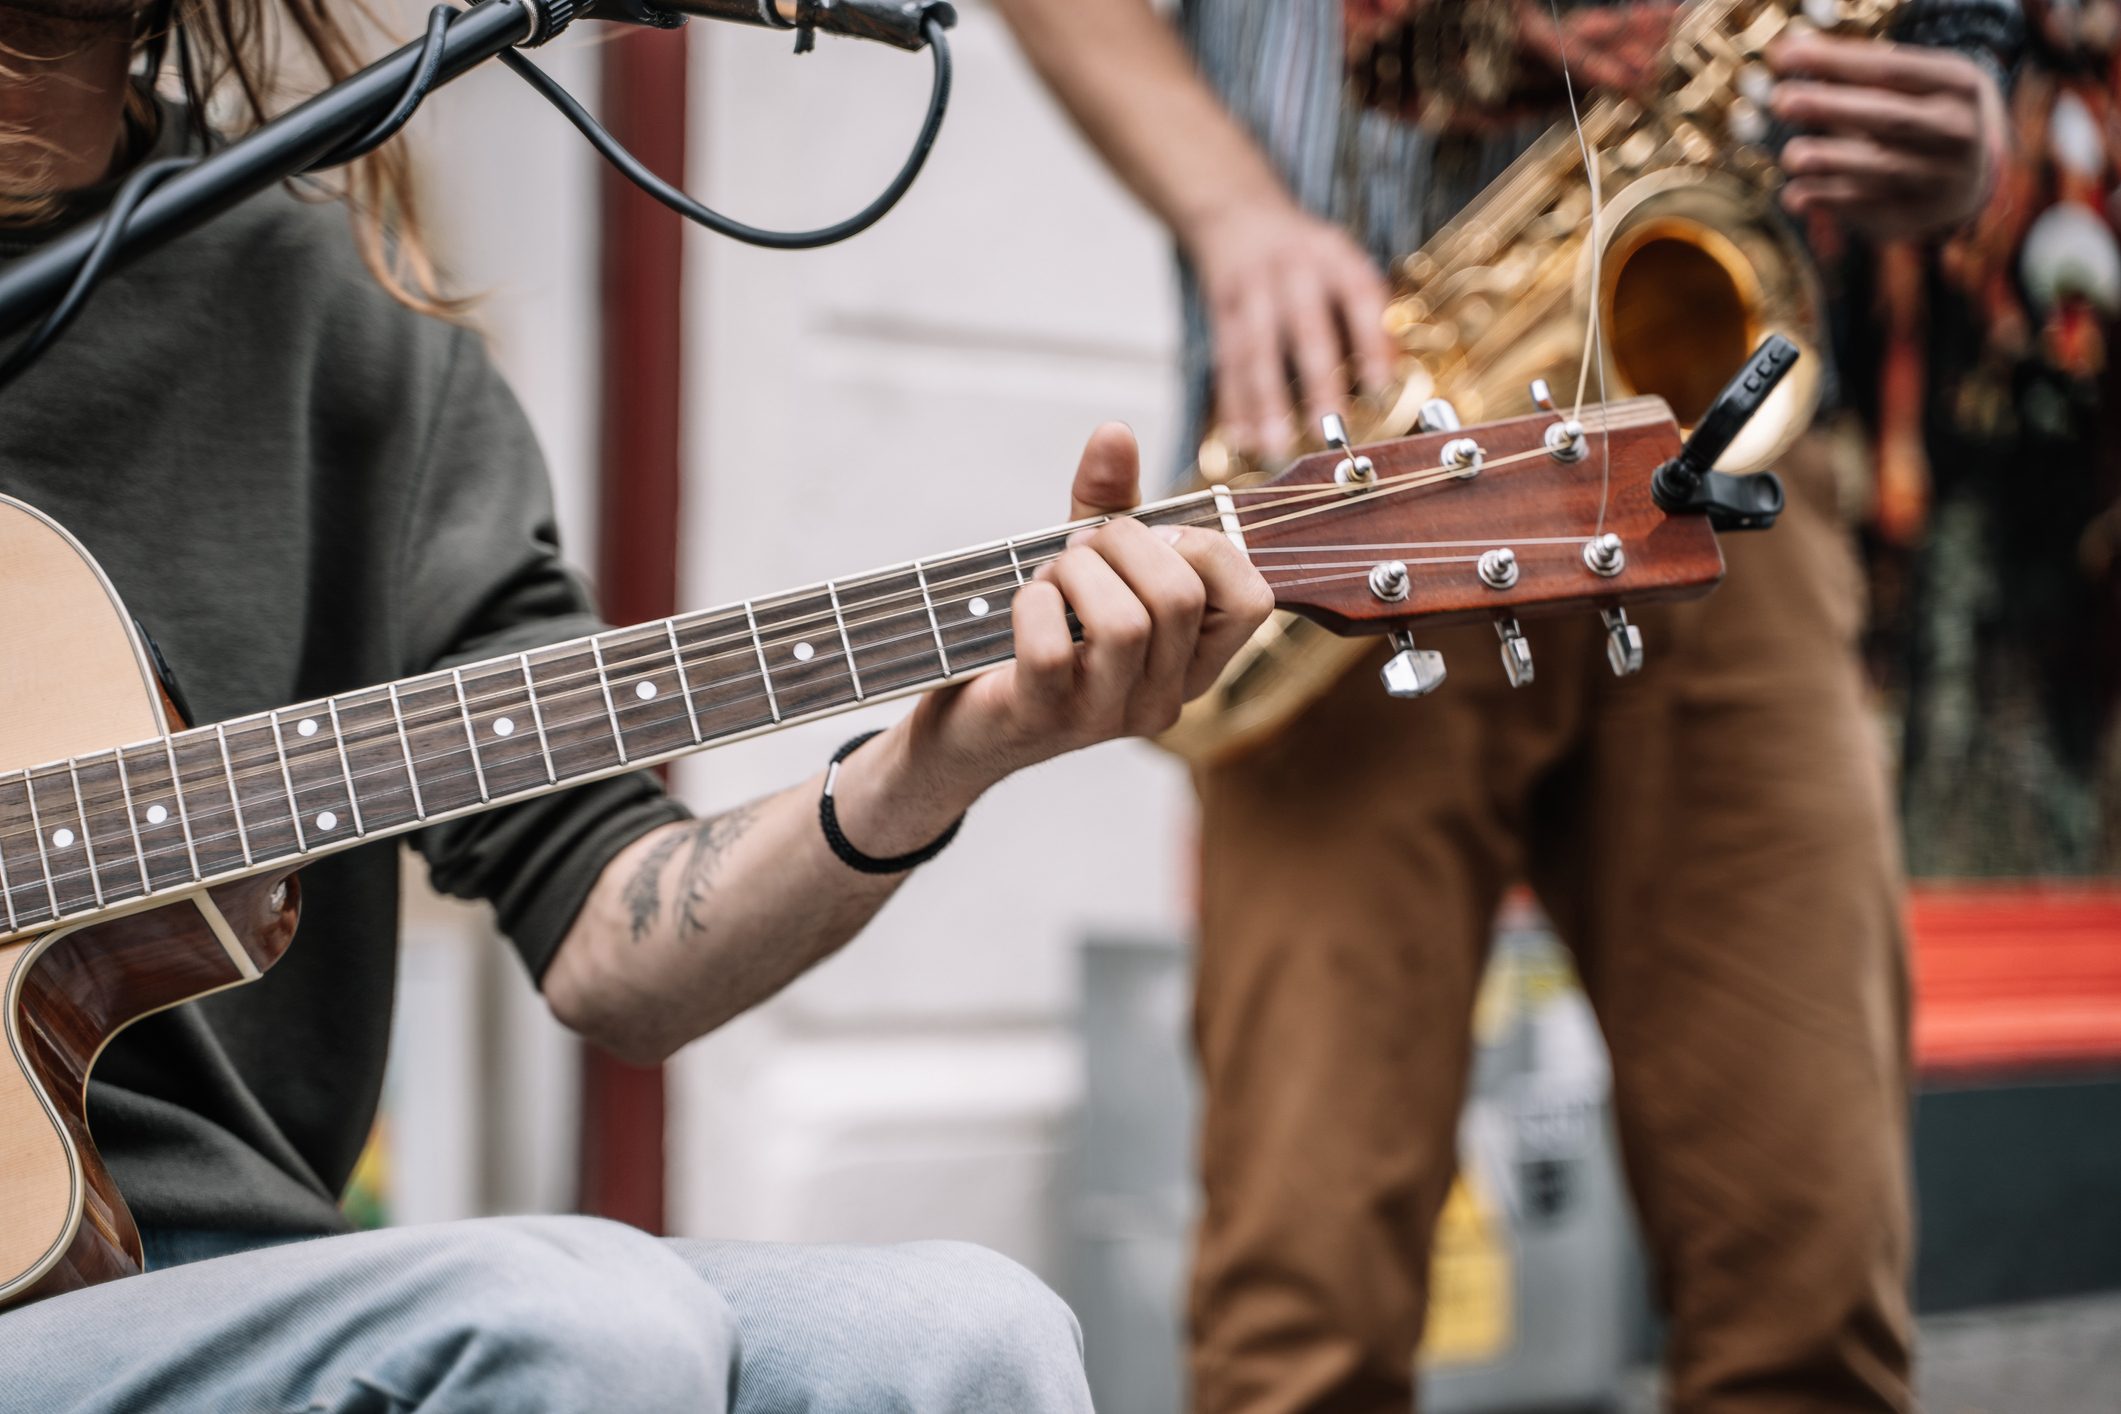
{"points": [[74, 679]]}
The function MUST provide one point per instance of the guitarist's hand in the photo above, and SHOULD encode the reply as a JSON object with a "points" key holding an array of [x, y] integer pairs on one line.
{"points": [[1162, 611]]}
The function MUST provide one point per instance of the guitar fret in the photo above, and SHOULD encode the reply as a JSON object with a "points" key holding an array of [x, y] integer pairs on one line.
{"points": [[596, 651], [442, 755], [338, 736], [287, 777], [96, 775], [846, 643], [471, 735], [412, 772], [537, 717], [934, 627], [36, 824], [132, 823], [7, 894], [235, 796], [975, 614], [887, 625], [176, 790], [375, 776], [677, 661], [759, 646], [88, 845], [20, 872]]}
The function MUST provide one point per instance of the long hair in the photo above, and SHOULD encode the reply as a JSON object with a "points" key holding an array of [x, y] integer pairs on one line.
{"points": [[237, 63]]}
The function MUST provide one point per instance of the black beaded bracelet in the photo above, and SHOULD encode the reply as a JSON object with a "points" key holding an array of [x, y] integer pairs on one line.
{"points": [[828, 818]]}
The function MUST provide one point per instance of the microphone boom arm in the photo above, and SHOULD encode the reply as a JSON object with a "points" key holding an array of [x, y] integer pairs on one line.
{"points": [[289, 144], [900, 23], [34, 285]]}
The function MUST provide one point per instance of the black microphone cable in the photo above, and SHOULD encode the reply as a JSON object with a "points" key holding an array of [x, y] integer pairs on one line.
{"points": [[693, 210], [110, 226]]}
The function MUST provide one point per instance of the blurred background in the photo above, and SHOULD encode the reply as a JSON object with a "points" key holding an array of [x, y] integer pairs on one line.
{"points": [[1002, 1058]]}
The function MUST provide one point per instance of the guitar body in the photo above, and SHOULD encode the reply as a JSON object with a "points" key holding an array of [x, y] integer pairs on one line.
{"points": [[74, 679]]}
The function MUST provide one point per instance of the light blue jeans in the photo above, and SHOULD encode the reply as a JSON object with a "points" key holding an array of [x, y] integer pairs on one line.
{"points": [[550, 1315]]}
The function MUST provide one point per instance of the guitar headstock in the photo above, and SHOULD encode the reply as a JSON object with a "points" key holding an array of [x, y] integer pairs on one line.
{"points": [[1486, 522]]}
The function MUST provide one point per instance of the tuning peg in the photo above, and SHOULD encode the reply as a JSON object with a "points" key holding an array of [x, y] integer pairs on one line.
{"points": [[1411, 671], [1437, 415], [1623, 643], [1354, 470], [1543, 396], [1516, 652]]}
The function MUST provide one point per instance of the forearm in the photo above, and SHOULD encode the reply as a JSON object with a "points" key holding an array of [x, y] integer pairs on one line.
{"points": [[698, 921], [1132, 89]]}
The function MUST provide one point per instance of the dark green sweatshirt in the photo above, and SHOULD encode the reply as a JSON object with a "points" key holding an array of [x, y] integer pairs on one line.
{"points": [[299, 487]]}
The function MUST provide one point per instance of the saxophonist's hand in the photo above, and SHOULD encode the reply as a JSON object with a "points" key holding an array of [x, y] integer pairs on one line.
{"points": [[1897, 141], [1286, 293]]}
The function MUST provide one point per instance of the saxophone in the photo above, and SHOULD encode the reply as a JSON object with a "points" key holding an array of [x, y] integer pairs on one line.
{"points": [[1693, 269]]}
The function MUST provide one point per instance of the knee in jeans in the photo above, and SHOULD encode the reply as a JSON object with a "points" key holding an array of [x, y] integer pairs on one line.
{"points": [[587, 1314], [993, 1317]]}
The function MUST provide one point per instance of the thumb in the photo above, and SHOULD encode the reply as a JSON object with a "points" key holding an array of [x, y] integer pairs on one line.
{"points": [[1108, 478]]}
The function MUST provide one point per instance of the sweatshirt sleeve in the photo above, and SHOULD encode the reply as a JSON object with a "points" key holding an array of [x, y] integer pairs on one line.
{"points": [[482, 576]]}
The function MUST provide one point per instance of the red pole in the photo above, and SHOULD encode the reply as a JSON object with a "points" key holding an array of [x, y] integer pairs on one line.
{"points": [[641, 407]]}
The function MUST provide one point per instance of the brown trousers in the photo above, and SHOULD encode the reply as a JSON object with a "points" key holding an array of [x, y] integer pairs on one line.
{"points": [[1713, 840]]}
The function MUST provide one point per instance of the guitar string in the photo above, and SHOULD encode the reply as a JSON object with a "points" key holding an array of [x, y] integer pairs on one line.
{"points": [[454, 768], [449, 716], [268, 765], [265, 765], [1594, 305]]}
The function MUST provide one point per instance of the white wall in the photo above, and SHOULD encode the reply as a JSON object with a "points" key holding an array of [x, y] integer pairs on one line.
{"points": [[485, 1118], [924, 386]]}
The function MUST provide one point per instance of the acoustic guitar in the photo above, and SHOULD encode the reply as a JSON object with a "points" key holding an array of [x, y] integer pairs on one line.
{"points": [[145, 862]]}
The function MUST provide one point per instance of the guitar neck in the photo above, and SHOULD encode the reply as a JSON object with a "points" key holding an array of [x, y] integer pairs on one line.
{"points": [[103, 832]]}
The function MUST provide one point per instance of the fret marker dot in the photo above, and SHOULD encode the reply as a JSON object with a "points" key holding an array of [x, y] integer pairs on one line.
{"points": [[977, 608], [307, 726], [644, 689], [503, 726], [62, 838], [156, 814], [326, 820], [804, 652]]}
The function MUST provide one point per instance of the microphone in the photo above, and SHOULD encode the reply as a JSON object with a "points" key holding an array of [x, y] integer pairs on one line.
{"points": [[900, 23]]}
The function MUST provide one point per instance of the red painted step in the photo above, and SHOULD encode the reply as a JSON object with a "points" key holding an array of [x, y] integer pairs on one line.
{"points": [[2016, 975]]}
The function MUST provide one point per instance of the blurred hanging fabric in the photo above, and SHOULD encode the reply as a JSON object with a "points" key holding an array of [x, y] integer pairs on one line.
{"points": [[1995, 513]]}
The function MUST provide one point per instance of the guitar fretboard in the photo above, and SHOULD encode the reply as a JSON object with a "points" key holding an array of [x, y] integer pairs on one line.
{"points": [[164, 816]]}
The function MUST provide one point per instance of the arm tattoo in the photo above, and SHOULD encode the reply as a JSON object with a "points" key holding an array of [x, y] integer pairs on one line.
{"points": [[705, 845], [644, 891], [709, 842]]}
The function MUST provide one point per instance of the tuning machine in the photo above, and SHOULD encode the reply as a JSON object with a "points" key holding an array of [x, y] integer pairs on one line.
{"points": [[1564, 439], [1516, 652], [1623, 643], [1356, 472], [1411, 671]]}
